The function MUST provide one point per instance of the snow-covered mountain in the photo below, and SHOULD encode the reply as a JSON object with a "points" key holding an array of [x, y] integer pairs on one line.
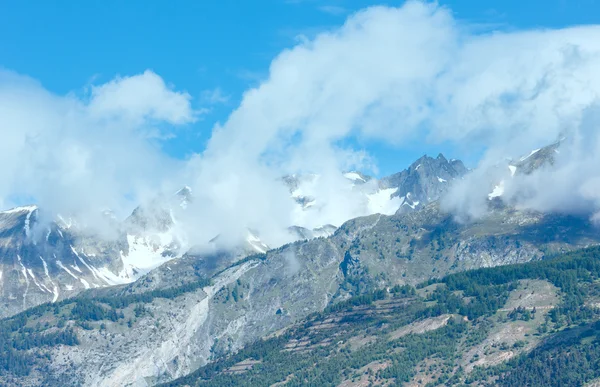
{"points": [[423, 182], [526, 165], [46, 262]]}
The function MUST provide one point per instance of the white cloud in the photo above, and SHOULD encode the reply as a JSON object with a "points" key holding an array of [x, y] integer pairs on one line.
{"points": [[396, 74], [335, 10], [77, 156], [215, 96], [387, 74], [140, 97]]}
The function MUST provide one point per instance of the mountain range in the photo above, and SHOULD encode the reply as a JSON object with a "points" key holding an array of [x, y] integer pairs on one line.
{"points": [[49, 261], [182, 309]]}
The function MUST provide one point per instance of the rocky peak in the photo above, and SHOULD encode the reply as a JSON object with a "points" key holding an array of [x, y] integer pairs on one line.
{"points": [[184, 196], [423, 181], [536, 159]]}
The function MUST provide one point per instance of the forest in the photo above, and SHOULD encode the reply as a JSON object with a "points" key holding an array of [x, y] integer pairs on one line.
{"points": [[567, 356]]}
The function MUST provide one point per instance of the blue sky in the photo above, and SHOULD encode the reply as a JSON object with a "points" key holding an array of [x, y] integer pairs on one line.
{"points": [[217, 49]]}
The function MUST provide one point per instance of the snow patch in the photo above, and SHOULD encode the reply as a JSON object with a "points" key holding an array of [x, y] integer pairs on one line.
{"points": [[353, 176], [85, 283], [412, 205], [66, 223], [75, 267], [442, 180], [513, 170], [381, 202], [145, 253], [55, 291], [85, 263], [24, 271], [256, 243], [27, 223], [54, 287], [529, 155], [45, 267], [59, 263], [20, 209], [110, 278]]}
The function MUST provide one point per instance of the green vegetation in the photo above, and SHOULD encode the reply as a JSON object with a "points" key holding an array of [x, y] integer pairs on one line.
{"points": [[437, 335], [18, 340], [321, 350]]}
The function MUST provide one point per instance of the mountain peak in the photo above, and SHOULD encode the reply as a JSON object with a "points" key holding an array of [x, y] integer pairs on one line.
{"points": [[22, 209], [185, 195], [185, 192], [423, 181]]}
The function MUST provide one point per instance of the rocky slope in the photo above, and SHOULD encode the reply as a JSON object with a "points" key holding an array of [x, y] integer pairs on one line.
{"points": [[423, 182], [533, 324], [168, 326], [49, 261], [49, 264], [44, 261]]}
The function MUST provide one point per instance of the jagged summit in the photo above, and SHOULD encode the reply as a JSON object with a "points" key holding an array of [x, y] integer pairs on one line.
{"points": [[536, 159], [424, 181], [60, 260], [20, 209], [357, 177], [526, 165]]}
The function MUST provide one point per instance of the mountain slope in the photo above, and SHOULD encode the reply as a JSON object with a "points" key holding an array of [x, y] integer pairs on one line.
{"points": [[505, 326], [423, 182], [172, 321], [49, 261]]}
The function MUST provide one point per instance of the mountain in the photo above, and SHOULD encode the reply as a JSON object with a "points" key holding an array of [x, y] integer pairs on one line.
{"points": [[200, 307], [176, 318], [526, 165], [533, 324], [425, 181], [49, 261], [536, 159], [48, 264]]}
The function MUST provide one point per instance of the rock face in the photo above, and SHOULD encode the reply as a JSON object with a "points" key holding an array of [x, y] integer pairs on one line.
{"points": [[267, 292], [536, 159], [169, 322], [425, 181], [49, 261]]}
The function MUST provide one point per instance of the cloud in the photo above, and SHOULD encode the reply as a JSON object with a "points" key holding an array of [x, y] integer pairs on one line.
{"points": [[394, 75], [415, 72], [77, 156], [215, 96], [140, 97], [335, 10]]}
